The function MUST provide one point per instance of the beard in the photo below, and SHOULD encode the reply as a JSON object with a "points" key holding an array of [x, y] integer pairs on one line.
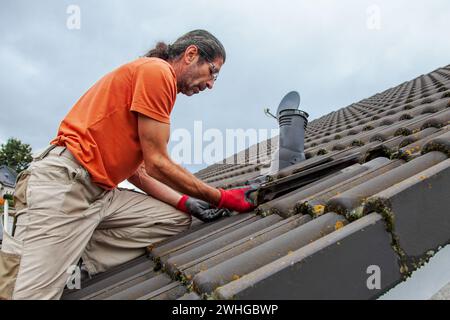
{"points": [[186, 83]]}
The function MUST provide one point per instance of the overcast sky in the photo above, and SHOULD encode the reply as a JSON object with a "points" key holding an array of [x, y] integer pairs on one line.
{"points": [[329, 51]]}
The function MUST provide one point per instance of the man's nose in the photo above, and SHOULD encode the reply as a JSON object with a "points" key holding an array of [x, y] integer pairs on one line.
{"points": [[210, 84]]}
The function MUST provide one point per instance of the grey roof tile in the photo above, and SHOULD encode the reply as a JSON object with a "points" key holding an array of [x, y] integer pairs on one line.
{"points": [[286, 205], [192, 236], [417, 212], [143, 288], [232, 269], [315, 204], [172, 291], [111, 278], [190, 296], [179, 259], [332, 267], [345, 202], [243, 245]]}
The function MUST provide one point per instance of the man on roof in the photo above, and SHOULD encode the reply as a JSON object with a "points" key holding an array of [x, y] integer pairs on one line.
{"points": [[67, 202]]}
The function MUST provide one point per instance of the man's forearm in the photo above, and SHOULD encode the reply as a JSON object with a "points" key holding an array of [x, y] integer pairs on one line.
{"points": [[154, 188], [183, 181], [154, 136]]}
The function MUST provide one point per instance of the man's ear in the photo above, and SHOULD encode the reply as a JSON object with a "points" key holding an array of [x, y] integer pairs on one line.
{"points": [[190, 54]]}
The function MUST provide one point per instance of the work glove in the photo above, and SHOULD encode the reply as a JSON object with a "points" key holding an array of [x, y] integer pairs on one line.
{"points": [[237, 199], [200, 209]]}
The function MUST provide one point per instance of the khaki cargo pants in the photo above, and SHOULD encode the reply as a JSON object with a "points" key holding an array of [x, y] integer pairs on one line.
{"points": [[62, 216]]}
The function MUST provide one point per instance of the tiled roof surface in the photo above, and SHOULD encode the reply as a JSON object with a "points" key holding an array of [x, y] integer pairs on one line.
{"points": [[373, 195]]}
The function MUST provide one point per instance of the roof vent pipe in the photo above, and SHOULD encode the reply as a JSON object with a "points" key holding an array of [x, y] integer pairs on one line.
{"points": [[291, 140]]}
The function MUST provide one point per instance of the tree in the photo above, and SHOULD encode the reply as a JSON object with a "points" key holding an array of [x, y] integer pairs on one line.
{"points": [[15, 154]]}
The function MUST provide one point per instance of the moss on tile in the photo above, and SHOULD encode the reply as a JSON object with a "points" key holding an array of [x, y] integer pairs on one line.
{"points": [[338, 225], [432, 124], [317, 210], [402, 132], [158, 265], [355, 214], [357, 143], [384, 208], [402, 155], [186, 280], [406, 142], [436, 146], [337, 209], [377, 137], [304, 208], [405, 117], [271, 211]]}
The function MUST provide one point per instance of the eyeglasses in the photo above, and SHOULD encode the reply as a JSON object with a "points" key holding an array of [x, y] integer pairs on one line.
{"points": [[213, 70], [212, 67]]}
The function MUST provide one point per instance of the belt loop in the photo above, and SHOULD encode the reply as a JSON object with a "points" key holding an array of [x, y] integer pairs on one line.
{"points": [[45, 153], [62, 151]]}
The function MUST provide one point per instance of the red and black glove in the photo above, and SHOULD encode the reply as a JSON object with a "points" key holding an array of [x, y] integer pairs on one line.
{"points": [[237, 199], [200, 209]]}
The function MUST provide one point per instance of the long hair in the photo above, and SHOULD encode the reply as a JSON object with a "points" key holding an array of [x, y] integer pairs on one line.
{"points": [[209, 47]]}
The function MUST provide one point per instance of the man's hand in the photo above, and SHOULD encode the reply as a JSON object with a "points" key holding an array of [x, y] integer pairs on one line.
{"points": [[237, 199], [200, 209]]}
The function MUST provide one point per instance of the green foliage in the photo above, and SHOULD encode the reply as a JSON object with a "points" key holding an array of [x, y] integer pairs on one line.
{"points": [[15, 154], [8, 197]]}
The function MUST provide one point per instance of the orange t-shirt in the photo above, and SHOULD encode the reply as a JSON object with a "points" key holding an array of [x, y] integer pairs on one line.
{"points": [[101, 130]]}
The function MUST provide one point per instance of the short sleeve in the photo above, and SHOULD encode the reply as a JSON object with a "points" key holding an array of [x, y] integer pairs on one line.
{"points": [[154, 90]]}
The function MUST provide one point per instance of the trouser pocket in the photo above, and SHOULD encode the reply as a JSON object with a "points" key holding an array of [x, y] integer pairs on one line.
{"points": [[58, 184], [20, 192], [10, 256]]}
